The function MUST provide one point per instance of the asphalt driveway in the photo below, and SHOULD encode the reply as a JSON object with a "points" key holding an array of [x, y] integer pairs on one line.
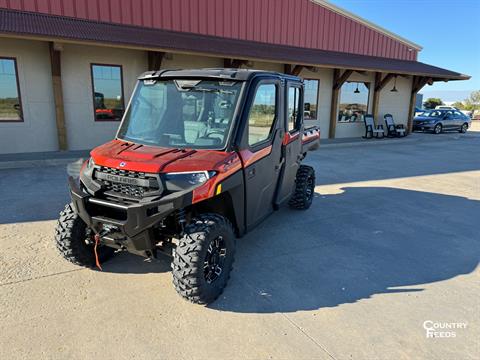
{"points": [[391, 241]]}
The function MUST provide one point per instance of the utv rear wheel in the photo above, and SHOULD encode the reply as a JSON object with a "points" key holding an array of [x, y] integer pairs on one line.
{"points": [[203, 258], [73, 241], [304, 188]]}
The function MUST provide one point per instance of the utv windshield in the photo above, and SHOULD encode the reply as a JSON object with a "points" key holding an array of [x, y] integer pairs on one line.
{"points": [[181, 113]]}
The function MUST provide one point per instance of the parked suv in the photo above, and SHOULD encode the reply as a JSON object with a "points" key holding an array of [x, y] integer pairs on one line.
{"points": [[200, 158], [442, 120]]}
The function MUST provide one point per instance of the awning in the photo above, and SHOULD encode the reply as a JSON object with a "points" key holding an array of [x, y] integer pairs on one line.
{"points": [[50, 27]]}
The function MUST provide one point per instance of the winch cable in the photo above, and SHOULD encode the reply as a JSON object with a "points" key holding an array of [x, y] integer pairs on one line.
{"points": [[97, 261]]}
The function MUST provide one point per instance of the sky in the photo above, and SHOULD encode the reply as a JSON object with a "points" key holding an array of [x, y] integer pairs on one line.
{"points": [[448, 31]]}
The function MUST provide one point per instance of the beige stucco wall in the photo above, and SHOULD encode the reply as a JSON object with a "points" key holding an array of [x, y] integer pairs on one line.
{"points": [[38, 130], [324, 98], [395, 103], [180, 61], [83, 132]]}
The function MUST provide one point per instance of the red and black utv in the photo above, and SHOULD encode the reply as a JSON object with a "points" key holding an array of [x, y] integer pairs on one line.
{"points": [[199, 159]]}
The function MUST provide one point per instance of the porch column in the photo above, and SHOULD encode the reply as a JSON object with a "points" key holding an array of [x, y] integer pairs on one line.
{"points": [[233, 63], [418, 83], [55, 61], [155, 60]]}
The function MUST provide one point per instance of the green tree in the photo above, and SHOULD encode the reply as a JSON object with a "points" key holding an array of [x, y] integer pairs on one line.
{"points": [[473, 102], [459, 105], [430, 103]]}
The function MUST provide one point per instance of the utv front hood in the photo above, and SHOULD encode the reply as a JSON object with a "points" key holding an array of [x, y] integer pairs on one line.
{"points": [[124, 155]]}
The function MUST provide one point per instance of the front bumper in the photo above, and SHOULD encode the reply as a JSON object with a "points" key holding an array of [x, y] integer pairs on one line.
{"points": [[130, 224], [423, 127]]}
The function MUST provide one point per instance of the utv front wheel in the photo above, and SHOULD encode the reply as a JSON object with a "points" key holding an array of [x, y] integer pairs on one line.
{"points": [[203, 258], [302, 196], [74, 242]]}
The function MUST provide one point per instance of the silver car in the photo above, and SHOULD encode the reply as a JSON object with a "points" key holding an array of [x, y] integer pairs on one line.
{"points": [[441, 120]]}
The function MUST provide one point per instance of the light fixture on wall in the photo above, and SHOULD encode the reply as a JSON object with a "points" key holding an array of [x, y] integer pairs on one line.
{"points": [[356, 90], [394, 89]]}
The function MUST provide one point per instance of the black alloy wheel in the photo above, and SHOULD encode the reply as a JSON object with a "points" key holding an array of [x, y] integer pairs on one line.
{"points": [[215, 260]]}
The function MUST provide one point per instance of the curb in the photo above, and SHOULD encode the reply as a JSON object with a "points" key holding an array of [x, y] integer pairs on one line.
{"points": [[369, 142], [25, 164], [409, 139]]}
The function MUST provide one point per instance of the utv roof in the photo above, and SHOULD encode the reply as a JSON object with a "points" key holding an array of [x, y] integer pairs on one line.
{"points": [[217, 73]]}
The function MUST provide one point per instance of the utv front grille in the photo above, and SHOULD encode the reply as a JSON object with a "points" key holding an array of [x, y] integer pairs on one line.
{"points": [[132, 184]]}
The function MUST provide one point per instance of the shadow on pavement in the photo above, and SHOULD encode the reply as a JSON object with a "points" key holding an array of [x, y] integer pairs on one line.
{"points": [[126, 263], [33, 194], [361, 243]]}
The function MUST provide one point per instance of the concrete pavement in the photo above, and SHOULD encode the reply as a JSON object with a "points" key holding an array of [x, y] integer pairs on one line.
{"points": [[390, 242]]}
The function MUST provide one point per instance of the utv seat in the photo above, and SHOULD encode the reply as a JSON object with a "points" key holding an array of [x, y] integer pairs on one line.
{"points": [[194, 130]]}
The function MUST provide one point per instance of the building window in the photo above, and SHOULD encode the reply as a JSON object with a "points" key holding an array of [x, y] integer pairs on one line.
{"points": [[262, 114], [10, 102], [107, 83], [293, 108], [311, 99], [353, 101]]}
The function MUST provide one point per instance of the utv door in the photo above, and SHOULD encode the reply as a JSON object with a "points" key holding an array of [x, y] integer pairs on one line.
{"points": [[292, 141], [262, 148]]}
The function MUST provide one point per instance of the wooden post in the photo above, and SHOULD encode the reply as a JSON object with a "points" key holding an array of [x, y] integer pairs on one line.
{"points": [[234, 63], [376, 96], [293, 70], [333, 113], [55, 61], [155, 60], [411, 107], [418, 83], [338, 81]]}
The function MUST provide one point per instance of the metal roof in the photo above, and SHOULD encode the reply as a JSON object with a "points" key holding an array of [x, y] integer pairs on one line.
{"points": [[50, 27], [344, 12]]}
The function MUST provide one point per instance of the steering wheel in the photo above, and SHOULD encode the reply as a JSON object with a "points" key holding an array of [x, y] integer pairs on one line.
{"points": [[213, 132]]}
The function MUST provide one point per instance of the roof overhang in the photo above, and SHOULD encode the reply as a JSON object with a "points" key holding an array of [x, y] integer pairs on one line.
{"points": [[57, 28]]}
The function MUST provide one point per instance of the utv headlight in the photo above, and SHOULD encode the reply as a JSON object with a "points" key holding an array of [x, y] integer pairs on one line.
{"points": [[177, 181], [90, 163]]}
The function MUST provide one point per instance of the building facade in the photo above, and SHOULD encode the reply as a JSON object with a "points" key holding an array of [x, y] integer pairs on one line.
{"points": [[68, 67]]}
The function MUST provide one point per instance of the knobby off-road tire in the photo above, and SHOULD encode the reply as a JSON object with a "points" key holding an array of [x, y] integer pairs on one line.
{"points": [[302, 196], [207, 238], [70, 236]]}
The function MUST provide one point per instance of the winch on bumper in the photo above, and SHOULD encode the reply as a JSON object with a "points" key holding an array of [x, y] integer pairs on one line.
{"points": [[126, 225]]}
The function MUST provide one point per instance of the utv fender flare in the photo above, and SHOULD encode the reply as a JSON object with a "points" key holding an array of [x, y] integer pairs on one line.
{"points": [[229, 202]]}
